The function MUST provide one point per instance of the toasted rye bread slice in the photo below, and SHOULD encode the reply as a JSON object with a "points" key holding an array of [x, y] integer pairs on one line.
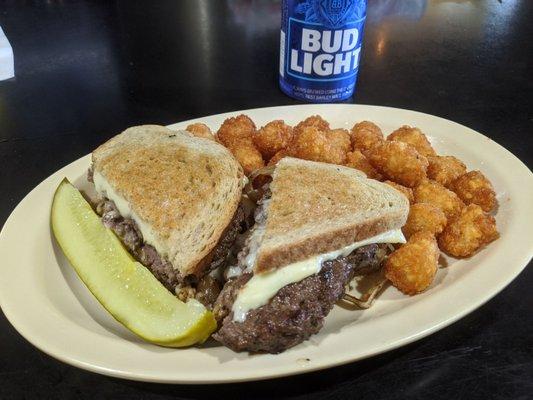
{"points": [[183, 188], [316, 208]]}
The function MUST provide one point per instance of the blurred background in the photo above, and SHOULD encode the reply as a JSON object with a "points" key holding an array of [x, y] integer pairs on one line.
{"points": [[99, 66]]}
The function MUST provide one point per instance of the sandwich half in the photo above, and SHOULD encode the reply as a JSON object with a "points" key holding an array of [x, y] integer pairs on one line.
{"points": [[316, 226], [172, 199]]}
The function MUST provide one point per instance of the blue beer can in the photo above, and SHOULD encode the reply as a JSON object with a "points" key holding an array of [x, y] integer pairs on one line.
{"points": [[320, 48]]}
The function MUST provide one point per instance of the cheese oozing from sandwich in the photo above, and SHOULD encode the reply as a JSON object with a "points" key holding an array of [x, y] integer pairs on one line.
{"points": [[262, 287], [103, 188]]}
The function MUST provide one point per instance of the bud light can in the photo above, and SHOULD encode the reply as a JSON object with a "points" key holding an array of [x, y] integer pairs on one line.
{"points": [[320, 48]]}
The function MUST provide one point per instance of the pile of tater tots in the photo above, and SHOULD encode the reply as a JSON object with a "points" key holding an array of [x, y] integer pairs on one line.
{"points": [[450, 207]]}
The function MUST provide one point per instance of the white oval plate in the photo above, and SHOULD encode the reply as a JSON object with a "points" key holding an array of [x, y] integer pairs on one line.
{"points": [[46, 302]]}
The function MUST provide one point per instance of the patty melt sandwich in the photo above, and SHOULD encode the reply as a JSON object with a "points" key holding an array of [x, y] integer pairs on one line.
{"points": [[316, 226], [173, 200]]}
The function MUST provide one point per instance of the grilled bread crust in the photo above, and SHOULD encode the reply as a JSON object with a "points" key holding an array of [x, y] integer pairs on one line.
{"points": [[316, 208], [185, 189]]}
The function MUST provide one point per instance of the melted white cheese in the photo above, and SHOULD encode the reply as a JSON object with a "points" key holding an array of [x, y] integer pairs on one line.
{"points": [[253, 247], [103, 188], [262, 287], [254, 241]]}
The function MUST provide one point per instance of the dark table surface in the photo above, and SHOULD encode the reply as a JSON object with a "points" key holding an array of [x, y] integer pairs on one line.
{"points": [[87, 70]]}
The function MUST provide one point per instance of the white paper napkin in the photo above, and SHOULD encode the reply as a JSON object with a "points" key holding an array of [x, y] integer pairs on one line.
{"points": [[7, 64]]}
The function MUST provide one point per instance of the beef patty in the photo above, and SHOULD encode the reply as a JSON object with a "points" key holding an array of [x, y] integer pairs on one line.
{"points": [[128, 232], [297, 311]]}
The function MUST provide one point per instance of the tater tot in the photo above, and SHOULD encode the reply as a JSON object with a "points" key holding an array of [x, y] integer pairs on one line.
{"points": [[415, 138], [398, 162], [312, 144], [445, 169], [357, 160], [200, 130], [364, 135], [434, 193], [278, 156], [468, 232], [272, 137], [413, 266], [236, 129], [474, 188], [236, 134], [340, 138], [248, 156], [407, 192], [315, 121], [424, 217]]}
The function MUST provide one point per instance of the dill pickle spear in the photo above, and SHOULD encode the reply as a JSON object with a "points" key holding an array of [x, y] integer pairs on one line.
{"points": [[127, 289]]}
